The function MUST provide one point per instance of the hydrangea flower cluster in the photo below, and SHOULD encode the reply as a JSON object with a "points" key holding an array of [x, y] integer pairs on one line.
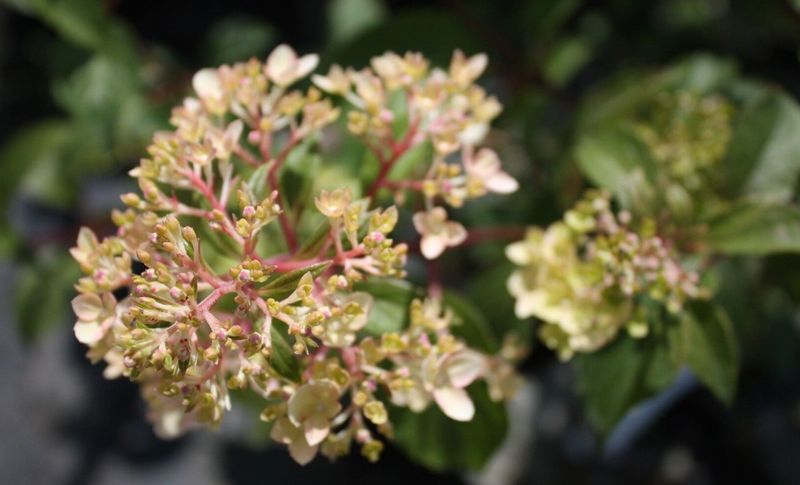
{"points": [[586, 276], [688, 134], [209, 286]]}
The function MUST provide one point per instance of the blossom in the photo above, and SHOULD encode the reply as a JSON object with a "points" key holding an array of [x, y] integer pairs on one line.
{"points": [[464, 70], [284, 67], [336, 82], [484, 168], [284, 431], [312, 407], [96, 315], [442, 378], [334, 203], [437, 232], [352, 312]]}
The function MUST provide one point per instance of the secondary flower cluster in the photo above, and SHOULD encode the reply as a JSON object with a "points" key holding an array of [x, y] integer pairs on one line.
{"points": [[688, 135], [585, 277], [442, 108], [209, 287]]}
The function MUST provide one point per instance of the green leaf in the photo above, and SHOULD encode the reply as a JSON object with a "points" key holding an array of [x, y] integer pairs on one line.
{"points": [[257, 183], [763, 160], [420, 155], [349, 18], [439, 443], [566, 59], [282, 285], [37, 145], [237, 38], [609, 380], [43, 292], [281, 357], [470, 323], [711, 348], [754, 228], [390, 307], [618, 161]]}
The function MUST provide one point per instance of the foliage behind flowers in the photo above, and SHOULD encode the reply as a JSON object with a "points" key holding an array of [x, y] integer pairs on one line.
{"points": [[235, 295]]}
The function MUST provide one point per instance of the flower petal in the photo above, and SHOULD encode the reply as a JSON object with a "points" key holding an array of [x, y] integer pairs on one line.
{"points": [[455, 403], [432, 246], [316, 429], [88, 307], [88, 333]]}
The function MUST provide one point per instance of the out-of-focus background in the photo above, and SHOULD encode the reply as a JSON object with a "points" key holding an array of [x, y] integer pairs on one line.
{"points": [[85, 83]]}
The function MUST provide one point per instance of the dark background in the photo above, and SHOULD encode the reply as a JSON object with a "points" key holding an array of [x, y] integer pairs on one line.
{"points": [[68, 135]]}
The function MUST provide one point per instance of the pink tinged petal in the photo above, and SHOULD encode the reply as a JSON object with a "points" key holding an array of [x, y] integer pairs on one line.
{"points": [[455, 403], [456, 234], [316, 429], [432, 246], [207, 84], [306, 64], [502, 183], [88, 333], [463, 368], [88, 307], [421, 222], [518, 253], [477, 64], [302, 452]]}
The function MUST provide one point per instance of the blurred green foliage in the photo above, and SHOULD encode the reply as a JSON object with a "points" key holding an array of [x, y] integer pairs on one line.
{"points": [[578, 80]]}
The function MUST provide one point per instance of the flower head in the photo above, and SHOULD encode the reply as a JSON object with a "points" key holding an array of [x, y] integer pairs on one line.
{"points": [[437, 232]]}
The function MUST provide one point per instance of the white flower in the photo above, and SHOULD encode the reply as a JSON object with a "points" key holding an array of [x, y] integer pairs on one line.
{"points": [[283, 431], [464, 70], [95, 316], [336, 82], [312, 407], [443, 379], [437, 232], [333, 204], [484, 167], [341, 328], [284, 67]]}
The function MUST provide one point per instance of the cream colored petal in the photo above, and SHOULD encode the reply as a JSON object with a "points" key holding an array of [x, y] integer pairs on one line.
{"points": [[432, 246], [316, 429], [464, 367], [88, 333], [207, 84], [88, 307], [501, 183], [455, 403], [456, 234], [306, 64]]}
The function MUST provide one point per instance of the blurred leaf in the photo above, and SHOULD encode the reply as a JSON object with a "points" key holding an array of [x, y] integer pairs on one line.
{"points": [[439, 443], [470, 323], [566, 59], [43, 292], [435, 32], [763, 159], [281, 356], [96, 90], [756, 229], [84, 23], [546, 17], [392, 299], [349, 18], [712, 352], [282, 285], [618, 161], [609, 380], [237, 39], [297, 175], [419, 156], [39, 145]]}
